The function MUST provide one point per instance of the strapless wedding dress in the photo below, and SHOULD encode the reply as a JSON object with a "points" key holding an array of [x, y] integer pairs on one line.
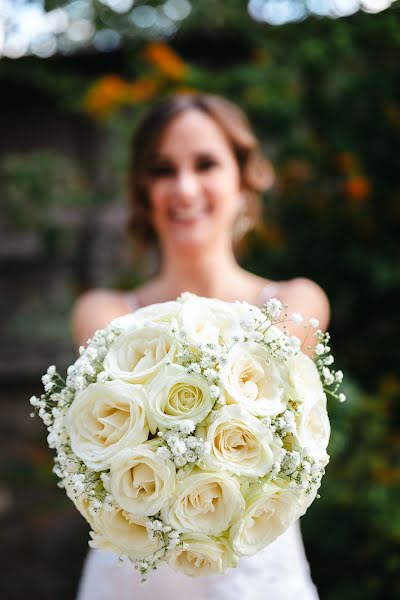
{"points": [[278, 572]]}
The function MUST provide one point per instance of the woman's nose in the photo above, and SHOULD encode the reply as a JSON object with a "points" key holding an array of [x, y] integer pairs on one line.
{"points": [[187, 183]]}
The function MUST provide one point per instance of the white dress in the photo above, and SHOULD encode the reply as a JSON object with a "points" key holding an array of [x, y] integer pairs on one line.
{"points": [[278, 572]]}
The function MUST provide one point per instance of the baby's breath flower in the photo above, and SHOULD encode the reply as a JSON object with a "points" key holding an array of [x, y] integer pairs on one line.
{"points": [[297, 317], [272, 309], [313, 322], [339, 376], [215, 391], [102, 377]]}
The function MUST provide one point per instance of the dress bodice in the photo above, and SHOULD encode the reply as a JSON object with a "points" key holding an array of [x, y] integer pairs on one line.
{"points": [[267, 292], [278, 572]]}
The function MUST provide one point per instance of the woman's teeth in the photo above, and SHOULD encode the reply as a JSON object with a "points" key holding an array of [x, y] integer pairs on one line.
{"points": [[188, 215]]}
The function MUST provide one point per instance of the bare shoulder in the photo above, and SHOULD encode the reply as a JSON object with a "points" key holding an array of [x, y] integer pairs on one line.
{"points": [[306, 297], [93, 310]]}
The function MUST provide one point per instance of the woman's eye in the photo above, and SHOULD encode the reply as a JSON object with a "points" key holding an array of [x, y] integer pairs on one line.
{"points": [[161, 171], [206, 163]]}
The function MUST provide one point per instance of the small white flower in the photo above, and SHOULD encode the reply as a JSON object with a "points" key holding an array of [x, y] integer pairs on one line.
{"points": [[297, 317], [273, 308], [34, 400], [327, 375], [187, 426], [294, 342], [211, 373], [102, 377], [163, 452], [215, 391], [319, 349], [342, 397], [91, 353], [178, 448], [339, 376], [255, 336], [313, 322]]}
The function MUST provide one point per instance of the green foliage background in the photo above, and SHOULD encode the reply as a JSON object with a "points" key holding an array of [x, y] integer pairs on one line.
{"points": [[323, 95]]}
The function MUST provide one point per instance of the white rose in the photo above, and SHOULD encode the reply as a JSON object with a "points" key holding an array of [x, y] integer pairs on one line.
{"points": [[245, 311], [313, 428], [141, 481], [120, 532], [202, 555], [241, 443], [208, 320], [204, 502], [304, 383], [253, 378], [139, 353], [269, 512], [156, 313], [103, 419], [175, 395]]}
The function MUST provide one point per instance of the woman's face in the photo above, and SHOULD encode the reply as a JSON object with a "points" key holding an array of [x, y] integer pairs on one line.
{"points": [[194, 184]]}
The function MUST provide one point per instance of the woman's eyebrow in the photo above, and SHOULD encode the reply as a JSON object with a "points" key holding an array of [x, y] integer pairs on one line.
{"points": [[160, 157]]}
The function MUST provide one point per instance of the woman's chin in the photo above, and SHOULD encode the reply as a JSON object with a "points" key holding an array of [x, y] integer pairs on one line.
{"points": [[191, 239], [196, 232]]}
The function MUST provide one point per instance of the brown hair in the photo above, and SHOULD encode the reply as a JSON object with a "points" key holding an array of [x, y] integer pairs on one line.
{"points": [[256, 171]]}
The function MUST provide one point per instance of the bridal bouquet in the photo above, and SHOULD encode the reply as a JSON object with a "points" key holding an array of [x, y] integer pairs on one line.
{"points": [[193, 431]]}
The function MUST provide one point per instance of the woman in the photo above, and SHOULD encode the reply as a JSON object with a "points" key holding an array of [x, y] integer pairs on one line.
{"points": [[197, 169]]}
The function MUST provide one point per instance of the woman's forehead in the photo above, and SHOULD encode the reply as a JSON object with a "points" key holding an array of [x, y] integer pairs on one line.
{"points": [[193, 131]]}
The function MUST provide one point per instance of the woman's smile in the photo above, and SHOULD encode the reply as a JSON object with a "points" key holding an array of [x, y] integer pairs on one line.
{"points": [[188, 215]]}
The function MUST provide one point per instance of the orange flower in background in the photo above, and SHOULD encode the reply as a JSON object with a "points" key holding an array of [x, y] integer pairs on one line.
{"points": [[347, 162], [165, 59], [357, 188], [105, 95], [143, 89], [188, 90]]}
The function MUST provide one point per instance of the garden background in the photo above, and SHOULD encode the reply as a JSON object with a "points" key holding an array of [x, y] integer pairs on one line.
{"points": [[323, 95]]}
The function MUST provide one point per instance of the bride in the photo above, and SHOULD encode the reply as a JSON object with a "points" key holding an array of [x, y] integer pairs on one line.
{"points": [[196, 173]]}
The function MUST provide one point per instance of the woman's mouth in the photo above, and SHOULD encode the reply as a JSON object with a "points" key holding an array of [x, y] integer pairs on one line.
{"points": [[188, 215]]}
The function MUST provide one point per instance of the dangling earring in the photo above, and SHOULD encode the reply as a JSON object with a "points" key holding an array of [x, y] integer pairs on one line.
{"points": [[243, 222]]}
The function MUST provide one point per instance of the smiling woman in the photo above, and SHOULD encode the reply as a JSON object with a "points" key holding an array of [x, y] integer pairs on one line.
{"points": [[195, 179], [196, 147]]}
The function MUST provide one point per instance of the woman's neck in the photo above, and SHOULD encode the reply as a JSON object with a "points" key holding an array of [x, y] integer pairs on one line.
{"points": [[211, 274]]}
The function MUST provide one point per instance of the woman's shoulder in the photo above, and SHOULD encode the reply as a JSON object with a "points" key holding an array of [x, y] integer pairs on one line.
{"points": [[97, 298], [93, 310], [302, 285], [307, 297]]}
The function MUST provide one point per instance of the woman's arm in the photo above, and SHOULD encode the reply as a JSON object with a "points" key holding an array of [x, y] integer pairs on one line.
{"points": [[94, 310]]}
